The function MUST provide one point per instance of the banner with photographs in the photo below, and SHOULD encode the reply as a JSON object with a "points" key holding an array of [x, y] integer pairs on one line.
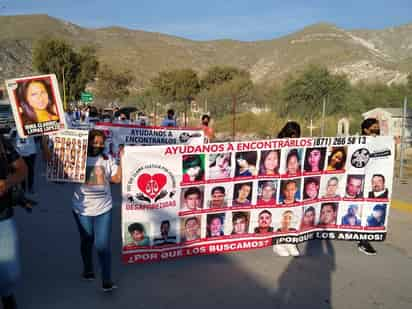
{"points": [[119, 135], [69, 155], [182, 200], [36, 103]]}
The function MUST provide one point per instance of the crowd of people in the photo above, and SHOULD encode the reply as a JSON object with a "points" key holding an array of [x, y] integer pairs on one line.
{"points": [[92, 202], [88, 115]]}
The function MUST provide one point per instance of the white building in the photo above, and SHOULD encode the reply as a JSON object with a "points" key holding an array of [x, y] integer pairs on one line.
{"points": [[390, 120]]}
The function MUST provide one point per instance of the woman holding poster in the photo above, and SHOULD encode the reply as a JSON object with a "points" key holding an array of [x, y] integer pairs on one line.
{"points": [[290, 130], [92, 208]]}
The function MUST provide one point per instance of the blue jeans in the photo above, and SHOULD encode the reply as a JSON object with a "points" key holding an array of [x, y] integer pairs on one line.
{"points": [[9, 257], [97, 230]]}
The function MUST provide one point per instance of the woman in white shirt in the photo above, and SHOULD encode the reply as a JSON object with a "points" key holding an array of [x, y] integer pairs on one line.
{"points": [[92, 208]]}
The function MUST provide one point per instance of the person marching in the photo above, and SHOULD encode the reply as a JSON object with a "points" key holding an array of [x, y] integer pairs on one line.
{"points": [[13, 171], [92, 208], [290, 130], [369, 127]]}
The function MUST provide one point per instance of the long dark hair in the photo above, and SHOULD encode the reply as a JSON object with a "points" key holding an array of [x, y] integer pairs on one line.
{"points": [[335, 150], [29, 115], [191, 161], [293, 153], [290, 130], [264, 155], [307, 167], [92, 134], [367, 123]]}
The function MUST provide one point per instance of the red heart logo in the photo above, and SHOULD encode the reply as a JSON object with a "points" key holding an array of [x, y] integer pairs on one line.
{"points": [[151, 185]]}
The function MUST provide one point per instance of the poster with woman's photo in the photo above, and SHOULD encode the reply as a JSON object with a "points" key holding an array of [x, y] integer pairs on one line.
{"points": [[37, 105], [219, 166], [68, 158], [291, 162]]}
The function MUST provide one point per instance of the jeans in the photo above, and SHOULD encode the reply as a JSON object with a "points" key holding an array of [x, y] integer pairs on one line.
{"points": [[97, 230], [30, 160], [9, 257]]}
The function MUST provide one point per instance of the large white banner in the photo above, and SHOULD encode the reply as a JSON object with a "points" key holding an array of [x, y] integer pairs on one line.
{"points": [[182, 200], [119, 135]]}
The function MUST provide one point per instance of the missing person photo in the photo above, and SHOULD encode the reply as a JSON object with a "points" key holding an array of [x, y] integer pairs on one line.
{"points": [[215, 225], [269, 162], [219, 165], [137, 234], [192, 198], [314, 160], [331, 186], [246, 164], [288, 222], [190, 228], [166, 234], [267, 192], [354, 186], [378, 187], [376, 217], [350, 214], [242, 194], [193, 168], [337, 158], [310, 216], [328, 214], [240, 222], [293, 162], [311, 187], [264, 221], [218, 197], [289, 191]]}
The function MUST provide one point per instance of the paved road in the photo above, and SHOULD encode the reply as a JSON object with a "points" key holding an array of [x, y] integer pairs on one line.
{"points": [[330, 275]]}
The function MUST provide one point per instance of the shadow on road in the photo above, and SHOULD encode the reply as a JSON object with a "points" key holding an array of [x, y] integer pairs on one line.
{"points": [[306, 282]]}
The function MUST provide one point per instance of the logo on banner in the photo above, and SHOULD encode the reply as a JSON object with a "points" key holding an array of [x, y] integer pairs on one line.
{"points": [[361, 156], [186, 136], [152, 186]]}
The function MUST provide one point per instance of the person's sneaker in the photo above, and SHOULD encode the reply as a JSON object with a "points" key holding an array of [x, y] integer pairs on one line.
{"points": [[366, 248], [89, 276], [108, 286], [9, 302], [281, 250], [293, 249]]}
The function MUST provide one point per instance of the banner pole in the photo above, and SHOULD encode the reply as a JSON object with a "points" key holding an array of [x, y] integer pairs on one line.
{"points": [[401, 163]]}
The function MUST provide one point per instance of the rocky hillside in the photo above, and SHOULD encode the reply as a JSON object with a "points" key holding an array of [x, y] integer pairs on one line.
{"points": [[384, 55]]}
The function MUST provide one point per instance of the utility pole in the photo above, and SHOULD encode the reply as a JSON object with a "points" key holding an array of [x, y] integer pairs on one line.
{"points": [[322, 129], [64, 92], [405, 104], [233, 117]]}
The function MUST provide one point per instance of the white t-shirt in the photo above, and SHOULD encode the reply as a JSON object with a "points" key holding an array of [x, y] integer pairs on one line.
{"points": [[69, 120], [94, 197]]}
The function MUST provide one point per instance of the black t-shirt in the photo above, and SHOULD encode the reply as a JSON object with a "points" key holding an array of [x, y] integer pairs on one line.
{"points": [[9, 156]]}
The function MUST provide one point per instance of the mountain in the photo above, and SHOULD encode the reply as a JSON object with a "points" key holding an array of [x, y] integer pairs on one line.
{"points": [[378, 55]]}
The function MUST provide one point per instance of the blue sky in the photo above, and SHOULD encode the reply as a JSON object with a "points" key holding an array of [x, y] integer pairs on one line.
{"points": [[219, 19]]}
